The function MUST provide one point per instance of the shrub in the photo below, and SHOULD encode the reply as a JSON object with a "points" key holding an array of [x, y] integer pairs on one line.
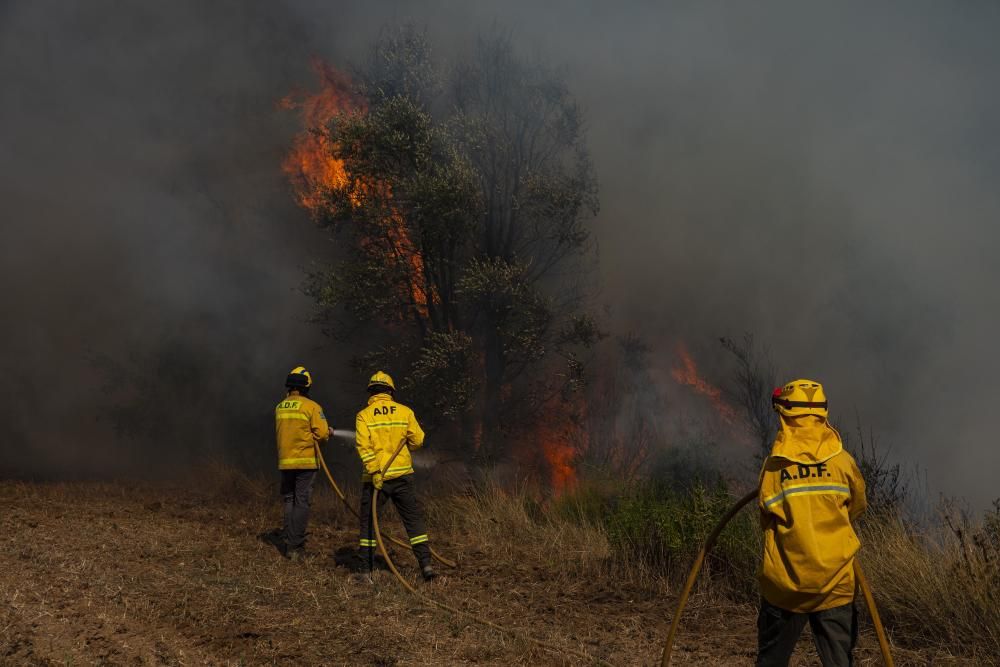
{"points": [[659, 527]]}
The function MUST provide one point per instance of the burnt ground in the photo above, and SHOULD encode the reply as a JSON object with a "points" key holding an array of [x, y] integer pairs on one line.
{"points": [[149, 575]]}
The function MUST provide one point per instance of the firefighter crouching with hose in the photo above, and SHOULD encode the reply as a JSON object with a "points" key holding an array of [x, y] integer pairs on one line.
{"points": [[300, 427], [380, 429], [810, 492]]}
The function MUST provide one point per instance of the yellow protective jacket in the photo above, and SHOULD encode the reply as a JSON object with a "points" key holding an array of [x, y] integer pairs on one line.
{"points": [[379, 429], [300, 426], [810, 491]]}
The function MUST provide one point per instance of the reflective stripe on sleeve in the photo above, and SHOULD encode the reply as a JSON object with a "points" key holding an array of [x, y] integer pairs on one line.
{"points": [[367, 457], [807, 489]]}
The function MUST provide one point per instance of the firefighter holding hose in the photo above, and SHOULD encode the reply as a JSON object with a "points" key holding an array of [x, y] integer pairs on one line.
{"points": [[383, 428], [300, 428], [810, 492]]}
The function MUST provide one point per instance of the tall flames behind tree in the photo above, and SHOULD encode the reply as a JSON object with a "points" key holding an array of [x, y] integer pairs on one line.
{"points": [[318, 175], [310, 165], [552, 432], [457, 229]]}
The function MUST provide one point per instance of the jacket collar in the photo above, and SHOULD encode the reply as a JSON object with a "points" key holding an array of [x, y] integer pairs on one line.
{"points": [[379, 398]]}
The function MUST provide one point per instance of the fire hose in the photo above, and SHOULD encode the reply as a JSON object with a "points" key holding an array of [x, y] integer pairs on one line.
{"points": [[340, 494], [681, 603], [478, 619], [700, 560]]}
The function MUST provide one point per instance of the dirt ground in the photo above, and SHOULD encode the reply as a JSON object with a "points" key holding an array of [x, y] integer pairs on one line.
{"points": [[99, 574]]}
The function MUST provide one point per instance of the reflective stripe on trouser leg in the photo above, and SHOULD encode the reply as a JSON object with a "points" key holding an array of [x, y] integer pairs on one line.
{"points": [[367, 544], [404, 497]]}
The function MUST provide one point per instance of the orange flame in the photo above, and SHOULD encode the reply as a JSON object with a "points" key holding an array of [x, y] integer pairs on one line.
{"points": [[559, 456], [686, 373], [405, 250], [310, 165], [315, 172], [561, 441]]}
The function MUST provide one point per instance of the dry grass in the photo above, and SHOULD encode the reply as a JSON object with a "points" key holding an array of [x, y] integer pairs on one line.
{"points": [[137, 575], [140, 575], [938, 587], [516, 530]]}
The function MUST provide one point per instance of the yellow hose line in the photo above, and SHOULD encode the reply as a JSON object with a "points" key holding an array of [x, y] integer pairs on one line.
{"points": [[695, 569], [350, 508], [472, 617], [700, 559], [866, 591]]}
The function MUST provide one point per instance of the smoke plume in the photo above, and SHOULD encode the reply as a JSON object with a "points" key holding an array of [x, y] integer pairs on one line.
{"points": [[820, 176]]}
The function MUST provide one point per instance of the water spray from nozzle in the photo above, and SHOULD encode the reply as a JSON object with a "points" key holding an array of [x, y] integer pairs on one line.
{"points": [[343, 434]]}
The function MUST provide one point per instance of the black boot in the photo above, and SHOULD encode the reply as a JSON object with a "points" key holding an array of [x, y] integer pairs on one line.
{"points": [[428, 572], [276, 538]]}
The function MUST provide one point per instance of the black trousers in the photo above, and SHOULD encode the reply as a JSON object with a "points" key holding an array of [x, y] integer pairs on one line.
{"points": [[296, 491], [835, 632], [404, 497]]}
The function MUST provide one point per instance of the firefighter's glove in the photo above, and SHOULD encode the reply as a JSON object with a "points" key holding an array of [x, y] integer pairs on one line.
{"points": [[377, 480]]}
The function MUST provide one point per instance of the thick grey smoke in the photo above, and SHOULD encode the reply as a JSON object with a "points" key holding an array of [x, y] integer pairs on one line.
{"points": [[821, 176], [150, 250]]}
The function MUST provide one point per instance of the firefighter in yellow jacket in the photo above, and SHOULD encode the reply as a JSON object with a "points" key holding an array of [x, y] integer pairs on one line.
{"points": [[380, 429], [810, 492], [300, 427]]}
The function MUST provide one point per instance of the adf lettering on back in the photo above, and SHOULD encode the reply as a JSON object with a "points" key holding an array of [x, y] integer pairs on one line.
{"points": [[805, 472]]}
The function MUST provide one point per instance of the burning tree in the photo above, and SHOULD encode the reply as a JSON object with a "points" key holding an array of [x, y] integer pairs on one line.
{"points": [[464, 200]]}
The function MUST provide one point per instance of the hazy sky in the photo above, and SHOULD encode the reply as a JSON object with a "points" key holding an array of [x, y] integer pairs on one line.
{"points": [[821, 176]]}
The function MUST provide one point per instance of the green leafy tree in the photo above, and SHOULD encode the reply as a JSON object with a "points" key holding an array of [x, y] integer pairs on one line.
{"points": [[465, 207]]}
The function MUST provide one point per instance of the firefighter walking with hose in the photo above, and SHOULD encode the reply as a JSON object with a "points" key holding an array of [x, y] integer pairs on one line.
{"points": [[381, 428], [810, 492]]}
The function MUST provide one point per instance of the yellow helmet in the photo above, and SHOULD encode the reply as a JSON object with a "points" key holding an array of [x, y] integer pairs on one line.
{"points": [[299, 378], [800, 397], [380, 380]]}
